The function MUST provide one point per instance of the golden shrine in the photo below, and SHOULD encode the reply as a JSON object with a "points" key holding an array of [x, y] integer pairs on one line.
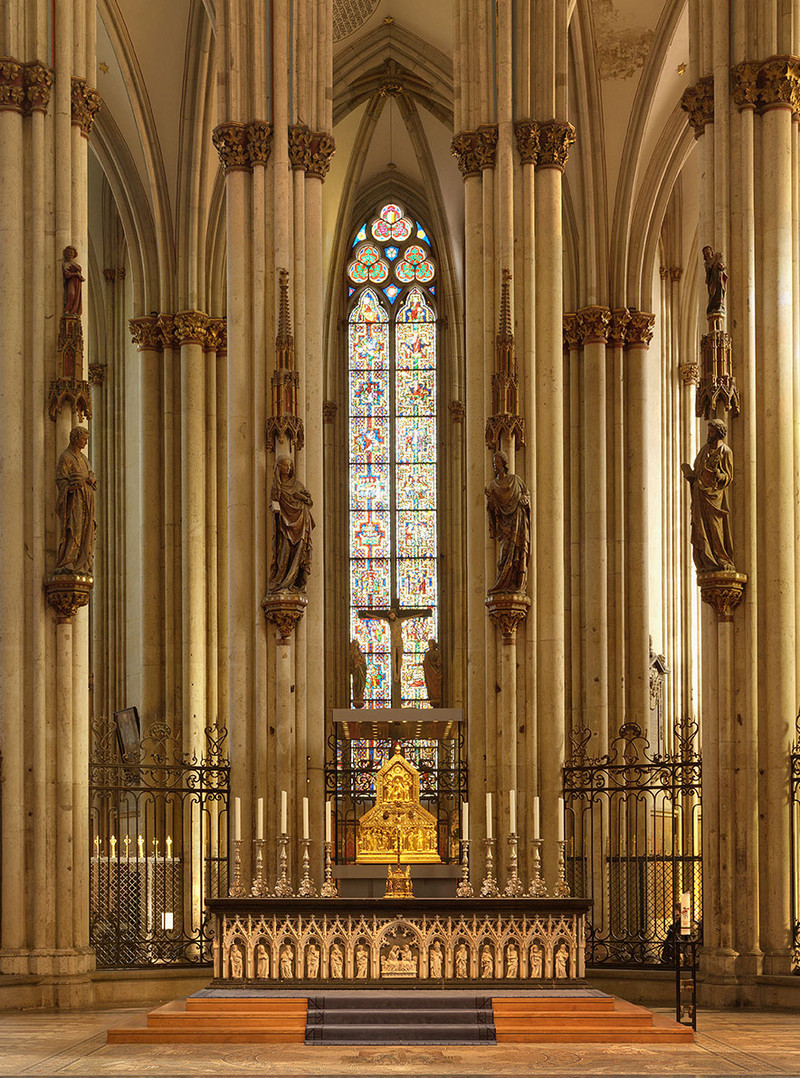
{"points": [[397, 828]]}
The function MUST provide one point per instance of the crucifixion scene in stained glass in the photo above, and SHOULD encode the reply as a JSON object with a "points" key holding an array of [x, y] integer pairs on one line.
{"points": [[392, 454]]}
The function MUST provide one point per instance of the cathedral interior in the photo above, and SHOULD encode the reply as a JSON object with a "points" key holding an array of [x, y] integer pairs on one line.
{"points": [[440, 365]]}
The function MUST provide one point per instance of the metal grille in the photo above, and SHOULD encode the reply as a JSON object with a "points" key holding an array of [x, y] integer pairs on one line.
{"points": [[350, 784], [158, 832], [795, 851], [634, 842]]}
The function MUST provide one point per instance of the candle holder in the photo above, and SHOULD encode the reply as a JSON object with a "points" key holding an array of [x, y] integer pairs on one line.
{"points": [[283, 888], [538, 888], [237, 888], [489, 888], [259, 888], [307, 888], [513, 887], [561, 889], [464, 889], [329, 887]]}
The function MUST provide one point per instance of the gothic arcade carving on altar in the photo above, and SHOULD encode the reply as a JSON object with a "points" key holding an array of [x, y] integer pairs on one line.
{"points": [[397, 828]]}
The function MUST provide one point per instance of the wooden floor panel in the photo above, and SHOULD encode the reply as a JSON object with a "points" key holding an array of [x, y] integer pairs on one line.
{"points": [[537, 1021], [219, 1021]]}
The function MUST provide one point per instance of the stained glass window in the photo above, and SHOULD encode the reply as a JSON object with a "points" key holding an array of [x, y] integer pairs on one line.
{"points": [[392, 448]]}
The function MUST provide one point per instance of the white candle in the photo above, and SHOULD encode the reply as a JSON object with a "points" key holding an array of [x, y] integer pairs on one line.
{"points": [[536, 824], [512, 810], [305, 817], [489, 816], [284, 813], [260, 820], [328, 823], [561, 819], [237, 819], [465, 821]]}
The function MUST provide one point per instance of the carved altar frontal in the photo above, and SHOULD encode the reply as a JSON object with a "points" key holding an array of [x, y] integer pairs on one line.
{"points": [[270, 942]]}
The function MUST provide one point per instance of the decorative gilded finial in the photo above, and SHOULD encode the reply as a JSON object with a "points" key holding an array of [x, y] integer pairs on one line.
{"points": [[505, 420], [284, 423]]}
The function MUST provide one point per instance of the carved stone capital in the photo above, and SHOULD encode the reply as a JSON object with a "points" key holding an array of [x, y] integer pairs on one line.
{"points": [[231, 141], [689, 372], [284, 609], [85, 105], [165, 324], [310, 151], [475, 150], [675, 273], [639, 331], [723, 590], [743, 84], [507, 610], [67, 593], [698, 102], [259, 142], [572, 335], [38, 79], [618, 327], [74, 392], [190, 327], [329, 410], [555, 139], [527, 135], [778, 84], [593, 324], [216, 335], [97, 374], [12, 85], [457, 411]]}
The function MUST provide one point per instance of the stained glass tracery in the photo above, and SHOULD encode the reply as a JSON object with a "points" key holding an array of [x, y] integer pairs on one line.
{"points": [[392, 447]]}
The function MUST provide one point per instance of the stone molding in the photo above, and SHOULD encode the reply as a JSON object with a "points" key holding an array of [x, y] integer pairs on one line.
{"points": [[698, 102], [242, 145], [475, 150], [24, 87], [86, 104], [310, 151]]}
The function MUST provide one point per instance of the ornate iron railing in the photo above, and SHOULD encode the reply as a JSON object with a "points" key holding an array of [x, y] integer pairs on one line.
{"points": [[350, 783], [794, 859], [158, 833], [634, 842]]}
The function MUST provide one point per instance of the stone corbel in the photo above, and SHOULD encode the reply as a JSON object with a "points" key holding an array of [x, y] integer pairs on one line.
{"points": [[284, 609], [723, 590], [67, 593], [506, 611]]}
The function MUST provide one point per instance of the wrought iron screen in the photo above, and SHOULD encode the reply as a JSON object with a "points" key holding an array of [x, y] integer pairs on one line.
{"points": [[350, 784], [795, 851], [634, 841], [158, 833]]}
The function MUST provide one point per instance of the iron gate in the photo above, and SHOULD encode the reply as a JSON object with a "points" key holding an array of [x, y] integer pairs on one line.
{"points": [[634, 842], [158, 833]]}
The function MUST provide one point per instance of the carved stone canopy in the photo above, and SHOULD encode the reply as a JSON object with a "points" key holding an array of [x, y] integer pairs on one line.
{"points": [[397, 828]]}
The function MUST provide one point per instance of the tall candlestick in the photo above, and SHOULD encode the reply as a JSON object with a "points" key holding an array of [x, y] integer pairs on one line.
{"points": [[284, 812], [561, 819], [328, 823], [260, 820], [536, 823], [489, 833], [512, 811], [465, 822], [305, 817], [237, 819]]}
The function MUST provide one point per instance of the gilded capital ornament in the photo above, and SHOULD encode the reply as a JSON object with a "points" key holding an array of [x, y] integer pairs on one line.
{"points": [[778, 84], [689, 372], [165, 324], [310, 151], [593, 324], [12, 88], [38, 81], [618, 327], [145, 333], [475, 150], [231, 142], [190, 327], [698, 102], [97, 374], [527, 136], [639, 331], [743, 84], [216, 336], [572, 336], [555, 139], [259, 142], [85, 105], [299, 146]]}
